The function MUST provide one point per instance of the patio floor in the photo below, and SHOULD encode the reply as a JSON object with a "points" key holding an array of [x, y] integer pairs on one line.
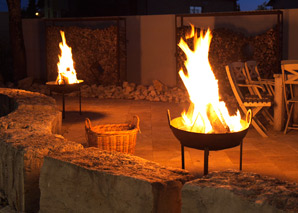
{"points": [[275, 156]]}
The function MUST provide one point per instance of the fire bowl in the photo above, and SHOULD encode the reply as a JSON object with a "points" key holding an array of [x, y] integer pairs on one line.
{"points": [[64, 88], [211, 141]]}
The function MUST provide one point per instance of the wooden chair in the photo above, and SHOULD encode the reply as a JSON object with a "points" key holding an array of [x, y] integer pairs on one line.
{"points": [[254, 77], [290, 81], [247, 101], [241, 78], [254, 90]]}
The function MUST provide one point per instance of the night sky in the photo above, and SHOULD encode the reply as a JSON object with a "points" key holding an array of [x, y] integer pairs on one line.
{"points": [[3, 5], [245, 5]]}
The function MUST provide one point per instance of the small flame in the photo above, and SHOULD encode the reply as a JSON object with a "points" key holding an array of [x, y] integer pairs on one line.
{"points": [[206, 113], [66, 71]]}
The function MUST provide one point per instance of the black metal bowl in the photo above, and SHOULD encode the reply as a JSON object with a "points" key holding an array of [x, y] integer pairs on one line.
{"points": [[63, 88], [211, 141]]}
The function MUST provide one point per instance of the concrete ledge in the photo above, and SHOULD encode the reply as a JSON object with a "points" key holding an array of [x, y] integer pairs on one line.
{"points": [[91, 180], [234, 191]]}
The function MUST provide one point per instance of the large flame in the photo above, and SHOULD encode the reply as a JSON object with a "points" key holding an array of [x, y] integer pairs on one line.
{"points": [[66, 71], [206, 113]]}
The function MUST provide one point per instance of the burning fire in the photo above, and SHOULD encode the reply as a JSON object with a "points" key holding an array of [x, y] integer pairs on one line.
{"points": [[66, 71], [206, 113]]}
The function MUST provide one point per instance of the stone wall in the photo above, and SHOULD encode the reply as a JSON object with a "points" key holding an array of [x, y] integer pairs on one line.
{"points": [[42, 171], [28, 128], [234, 191], [7, 105], [91, 180], [26, 136]]}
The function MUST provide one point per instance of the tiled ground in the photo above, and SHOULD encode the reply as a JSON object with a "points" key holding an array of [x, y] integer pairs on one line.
{"points": [[275, 156]]}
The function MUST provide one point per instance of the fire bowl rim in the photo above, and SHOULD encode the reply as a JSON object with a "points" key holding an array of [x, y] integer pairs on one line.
{"points": [[64, 88], [53, 83], [209, 133], [212, 141]]}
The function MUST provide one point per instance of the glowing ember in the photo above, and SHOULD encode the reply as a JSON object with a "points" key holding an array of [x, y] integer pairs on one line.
{"points": [[66, 71], [206, 113]]}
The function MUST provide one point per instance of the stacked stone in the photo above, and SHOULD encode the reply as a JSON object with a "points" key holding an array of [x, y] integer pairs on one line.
{"points": [[155, 92]]}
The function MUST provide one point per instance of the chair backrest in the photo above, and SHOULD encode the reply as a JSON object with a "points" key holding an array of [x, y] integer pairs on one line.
{"points": [[252, 71], [290, 71], [254, 77], [289, 76], [240, 75], [238, 70], [233, 82]]}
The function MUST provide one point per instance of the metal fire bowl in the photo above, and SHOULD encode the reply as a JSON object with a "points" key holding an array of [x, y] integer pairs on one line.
{"points": [[64, 88], [211, 141]]}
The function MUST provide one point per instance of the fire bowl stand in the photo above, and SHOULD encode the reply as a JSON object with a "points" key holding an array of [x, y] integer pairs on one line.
{"points": [[63, 89], [63, 103], [206, 158]]}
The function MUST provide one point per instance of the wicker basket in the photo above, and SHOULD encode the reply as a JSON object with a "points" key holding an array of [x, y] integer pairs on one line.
{"points": [[113, 137]]}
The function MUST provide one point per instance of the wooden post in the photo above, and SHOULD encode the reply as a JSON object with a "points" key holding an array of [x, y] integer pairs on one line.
{"points": [[182, 156], [241, 147], [206, 155], [279, 107], [295, 110]]}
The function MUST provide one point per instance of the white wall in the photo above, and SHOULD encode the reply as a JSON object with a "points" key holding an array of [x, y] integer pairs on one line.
{"points": [[247, 24], [150, 49], [4, 29], [34, 39], [133, 37], [151, 42], [157, 49], [290, 41]]}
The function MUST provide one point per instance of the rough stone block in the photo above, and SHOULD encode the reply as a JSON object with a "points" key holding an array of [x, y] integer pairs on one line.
{"points": [[27, 123], [91, 180], [7, 105], [234, 191], [33, 111], [21, 158]]}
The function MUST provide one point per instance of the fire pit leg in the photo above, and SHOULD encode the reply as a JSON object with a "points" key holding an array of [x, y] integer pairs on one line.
{"points": [[182, 156], [80, 100], [63, 106], [206, 155], [241, 155]]}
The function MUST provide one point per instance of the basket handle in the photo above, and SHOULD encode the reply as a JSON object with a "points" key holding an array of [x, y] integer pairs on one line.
{"points": [[137, 122], [248, 116], [87, 124]]}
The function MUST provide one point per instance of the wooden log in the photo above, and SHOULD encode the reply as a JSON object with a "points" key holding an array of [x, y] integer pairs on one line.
{"points": [[217, 125]]}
